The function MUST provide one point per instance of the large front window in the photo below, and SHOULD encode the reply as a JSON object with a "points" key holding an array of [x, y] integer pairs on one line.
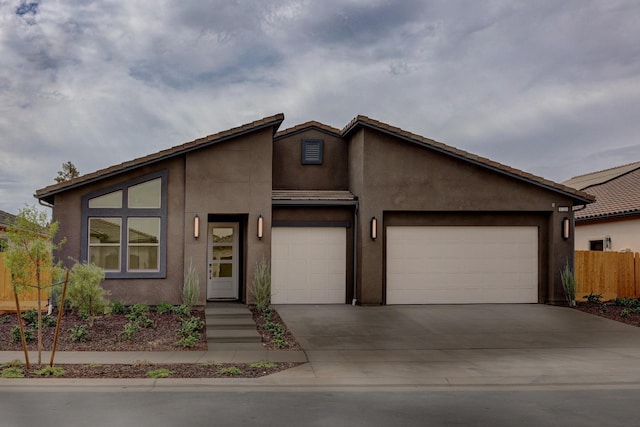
{"points": [[124, 228]]}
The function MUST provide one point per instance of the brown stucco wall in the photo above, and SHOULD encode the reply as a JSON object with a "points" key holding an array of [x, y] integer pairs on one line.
{"points": [[290, 174], [229, 178], [392, 175], [68, 212]]}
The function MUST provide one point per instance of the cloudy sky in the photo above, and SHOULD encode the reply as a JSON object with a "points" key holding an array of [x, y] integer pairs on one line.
{"points": [[551, 87]]}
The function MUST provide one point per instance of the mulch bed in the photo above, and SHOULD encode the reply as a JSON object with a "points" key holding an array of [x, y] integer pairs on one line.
{"points": [[610, 311], [106, 335]]}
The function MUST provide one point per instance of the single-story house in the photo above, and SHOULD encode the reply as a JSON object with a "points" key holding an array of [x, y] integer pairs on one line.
{"points": [[370, 214], [612, 222]]}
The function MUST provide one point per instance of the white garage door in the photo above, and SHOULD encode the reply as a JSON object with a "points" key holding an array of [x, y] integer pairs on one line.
{"points": [[308, 265], [462, 265]]}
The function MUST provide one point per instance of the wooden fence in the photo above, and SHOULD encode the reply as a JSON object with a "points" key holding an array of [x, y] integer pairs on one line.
{"points": [[612, 274], [28, 298]]}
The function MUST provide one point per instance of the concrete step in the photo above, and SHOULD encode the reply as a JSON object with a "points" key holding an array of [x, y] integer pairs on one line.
{"points": [[228, 312], [214, 322], [233, 336]]}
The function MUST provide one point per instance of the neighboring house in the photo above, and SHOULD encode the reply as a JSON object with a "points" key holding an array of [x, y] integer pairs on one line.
{"points": [[612, 222], [370, 214], [5, 219]]}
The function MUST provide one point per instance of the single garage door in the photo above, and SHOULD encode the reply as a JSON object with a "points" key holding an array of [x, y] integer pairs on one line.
{"points": [[462, 265], [308, 265]]}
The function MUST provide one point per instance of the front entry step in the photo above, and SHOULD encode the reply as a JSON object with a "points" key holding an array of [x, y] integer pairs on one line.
{"points": [[230, 323]]}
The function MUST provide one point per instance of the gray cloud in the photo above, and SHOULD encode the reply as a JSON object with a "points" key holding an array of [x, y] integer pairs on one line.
{"points": [[544, 86]]}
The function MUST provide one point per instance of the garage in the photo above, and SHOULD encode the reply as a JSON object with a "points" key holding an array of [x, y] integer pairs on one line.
{"points": [[461, 264], [308, 265]]}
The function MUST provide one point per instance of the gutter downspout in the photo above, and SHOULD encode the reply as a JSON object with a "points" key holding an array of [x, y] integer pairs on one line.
{"points": [[355, 253]]}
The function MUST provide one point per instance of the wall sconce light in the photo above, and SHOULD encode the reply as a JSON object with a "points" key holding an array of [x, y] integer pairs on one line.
{"points": [[566, 228], [260, 226], [374, 228], [607, 242], [196, 226]]}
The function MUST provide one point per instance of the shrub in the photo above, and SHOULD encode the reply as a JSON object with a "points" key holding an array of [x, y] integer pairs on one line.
{"points": [[12, 372], [129, 330], [181, 310], [260, 287], [191, 287], [118, 307], [85, 294], [190, 331], [79, 333], [568, 284], [15, 334], [594, 298], [164, 308], [232, 370], [50, 371], [5, 319], [627, 302], [188, 341], [30, 317], [624, 313], [159, 373]]}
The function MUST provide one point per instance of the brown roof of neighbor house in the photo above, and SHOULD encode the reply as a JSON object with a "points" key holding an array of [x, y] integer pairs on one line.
{"points": [[6, 218], [615, 197], [46, 194], [585, 181], [578, 196]]}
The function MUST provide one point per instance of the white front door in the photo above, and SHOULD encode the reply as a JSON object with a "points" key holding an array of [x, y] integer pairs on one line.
{"points": [[222, 277]]}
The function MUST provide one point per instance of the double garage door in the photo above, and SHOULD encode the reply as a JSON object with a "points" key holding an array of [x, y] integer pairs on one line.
{"points": [[425, 265]]}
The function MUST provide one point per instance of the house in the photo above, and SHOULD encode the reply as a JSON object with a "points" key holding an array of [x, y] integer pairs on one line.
{"points": [[5, 219], [612, 222], [370, 214]]}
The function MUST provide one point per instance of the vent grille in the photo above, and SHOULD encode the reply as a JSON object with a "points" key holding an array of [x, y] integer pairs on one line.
{"points": [[312, 151]]}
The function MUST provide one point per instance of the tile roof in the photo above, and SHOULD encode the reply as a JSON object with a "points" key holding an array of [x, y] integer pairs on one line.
{"points": [[582, 182], [6, 218], [47, 193], [579, 197], [615, 197]]}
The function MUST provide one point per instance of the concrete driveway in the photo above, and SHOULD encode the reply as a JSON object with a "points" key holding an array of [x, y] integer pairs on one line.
{"points": [[461, 344]]}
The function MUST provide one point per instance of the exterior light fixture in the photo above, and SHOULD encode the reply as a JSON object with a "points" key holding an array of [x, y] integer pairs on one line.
{"points": [[196, 226], [566, 228], [374, 228], [260, 226], [607, 242]]}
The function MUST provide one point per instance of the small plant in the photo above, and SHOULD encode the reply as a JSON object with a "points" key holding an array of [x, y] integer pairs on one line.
{"points": [[50, 371], [627, 302], [593, 298], [79, 333], [12, 372], [159, 373], [181, 310], [129, 330], [568, 284], [625, 313], [141, 363], [230, 371], [263, 365], [30, 317], [15, 363], [604, 308], [15, 334], [138, 314], [49, 321], [191, 286], [117, 307], [5, 319], [164, 308], [190, 331], [260, 288]]}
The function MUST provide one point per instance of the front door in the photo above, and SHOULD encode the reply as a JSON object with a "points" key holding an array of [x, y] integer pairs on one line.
{"points": [[222, 278]]}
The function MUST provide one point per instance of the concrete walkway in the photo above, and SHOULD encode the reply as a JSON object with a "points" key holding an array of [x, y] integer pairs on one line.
{"points": [[409, 346]]}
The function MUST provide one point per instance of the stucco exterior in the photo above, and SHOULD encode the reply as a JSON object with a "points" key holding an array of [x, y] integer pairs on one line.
{"points": [[368, 170]]}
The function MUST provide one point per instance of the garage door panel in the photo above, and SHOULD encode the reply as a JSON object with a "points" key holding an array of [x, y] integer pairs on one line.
{"points": [[308, 265], [443, 265]]}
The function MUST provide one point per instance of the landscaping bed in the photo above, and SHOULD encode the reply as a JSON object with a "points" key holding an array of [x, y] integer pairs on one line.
{"points": [[624, 310]]}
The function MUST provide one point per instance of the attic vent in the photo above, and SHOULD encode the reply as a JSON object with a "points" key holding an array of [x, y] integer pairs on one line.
{"points": [[312, 151]]}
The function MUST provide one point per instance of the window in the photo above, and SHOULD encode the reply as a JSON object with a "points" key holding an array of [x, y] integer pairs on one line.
{"points": [[312, 151], [123, 228], [596, 245]]}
